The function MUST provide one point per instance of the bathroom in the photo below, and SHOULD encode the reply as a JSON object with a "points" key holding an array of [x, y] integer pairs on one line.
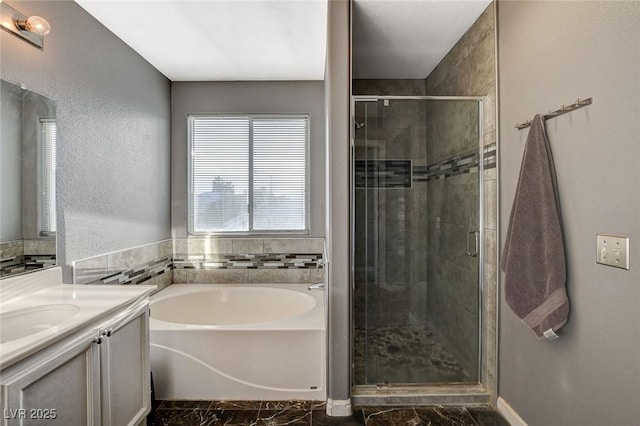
{"points": [[122, 167]]}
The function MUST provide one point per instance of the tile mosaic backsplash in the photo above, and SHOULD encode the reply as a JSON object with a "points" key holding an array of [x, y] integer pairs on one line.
{"points": [[489, 153], [149, 264], [383, 173], [457, 165], [378, 174], [26, 255], [248, 260], [208, 260]]}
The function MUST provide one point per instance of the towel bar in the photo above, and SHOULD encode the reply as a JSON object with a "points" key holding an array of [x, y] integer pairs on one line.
{"points": [[563, 110]]}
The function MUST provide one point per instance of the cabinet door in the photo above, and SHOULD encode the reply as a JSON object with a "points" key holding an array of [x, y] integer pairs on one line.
{"points": [[125, 375], [57, 386]]}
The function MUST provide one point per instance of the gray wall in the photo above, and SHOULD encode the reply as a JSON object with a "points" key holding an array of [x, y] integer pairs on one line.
{"points": [[113, 124], [246, 97], [551, 53], [337, 98]]}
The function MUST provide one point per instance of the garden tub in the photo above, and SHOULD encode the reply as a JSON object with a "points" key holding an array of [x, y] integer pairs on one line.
{"points": [[238, 342]]}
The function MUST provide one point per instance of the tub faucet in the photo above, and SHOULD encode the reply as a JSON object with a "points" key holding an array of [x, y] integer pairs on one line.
{"points": [[316, 286]]}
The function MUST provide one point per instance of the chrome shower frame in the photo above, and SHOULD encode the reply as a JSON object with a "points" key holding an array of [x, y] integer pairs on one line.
{"points": [[422, 394]]}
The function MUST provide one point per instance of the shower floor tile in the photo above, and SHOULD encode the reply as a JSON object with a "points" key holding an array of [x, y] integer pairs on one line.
{"points": [[405, 354]]}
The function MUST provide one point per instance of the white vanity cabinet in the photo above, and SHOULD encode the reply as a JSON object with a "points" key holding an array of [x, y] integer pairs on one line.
{"points": [[125, 371], [97, 376]]}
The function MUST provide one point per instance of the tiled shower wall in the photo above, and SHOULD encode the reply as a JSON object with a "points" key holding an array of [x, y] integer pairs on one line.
{"points": [[467, 70], [389, 272], [208, 260], [407, 219], [413, 216]]}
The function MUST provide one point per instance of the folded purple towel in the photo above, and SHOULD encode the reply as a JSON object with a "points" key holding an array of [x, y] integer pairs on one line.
{"points": [[533, 257]]}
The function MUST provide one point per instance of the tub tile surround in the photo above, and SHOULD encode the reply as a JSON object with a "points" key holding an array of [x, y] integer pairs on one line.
{"points": [[27, 255], [150, 264], [208, 260], [188, 413], [248, 260]]}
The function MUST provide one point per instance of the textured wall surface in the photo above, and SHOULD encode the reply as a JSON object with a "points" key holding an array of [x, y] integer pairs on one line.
{"points": [[551, 53], [113, 131], [247, 97]]}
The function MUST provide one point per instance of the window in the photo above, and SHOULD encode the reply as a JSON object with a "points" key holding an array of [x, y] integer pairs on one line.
{"points": [[48, 176], [248, 174]]}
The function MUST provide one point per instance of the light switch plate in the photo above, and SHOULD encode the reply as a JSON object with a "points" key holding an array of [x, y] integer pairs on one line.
{"points": [[612, 251]]}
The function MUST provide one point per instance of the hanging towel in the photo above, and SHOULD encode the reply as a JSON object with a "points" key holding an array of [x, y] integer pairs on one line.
{"points": [[533, 256]]}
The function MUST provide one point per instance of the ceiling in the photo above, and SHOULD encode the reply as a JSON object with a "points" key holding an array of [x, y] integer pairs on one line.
{"points": [[242, 40], [211, 40], [408, 38]]}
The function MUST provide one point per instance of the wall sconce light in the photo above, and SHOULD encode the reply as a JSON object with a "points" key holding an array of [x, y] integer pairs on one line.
{"points": [[31, 29]]}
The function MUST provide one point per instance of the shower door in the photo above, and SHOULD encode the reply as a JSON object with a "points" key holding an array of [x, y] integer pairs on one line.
{"points": [[415, 240]]}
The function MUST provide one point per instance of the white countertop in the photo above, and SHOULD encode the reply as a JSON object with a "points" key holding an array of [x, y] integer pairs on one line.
{"points": [[94, 302]]}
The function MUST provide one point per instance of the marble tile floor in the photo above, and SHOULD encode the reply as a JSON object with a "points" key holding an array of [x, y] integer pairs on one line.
{"points": [[294, 413]]}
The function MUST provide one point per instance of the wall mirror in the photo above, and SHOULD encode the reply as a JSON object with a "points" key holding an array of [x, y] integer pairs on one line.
{"points": [[27, 181]]}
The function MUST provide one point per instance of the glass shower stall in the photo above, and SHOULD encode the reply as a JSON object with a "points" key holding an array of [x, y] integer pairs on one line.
{"points": [[416, 230]]}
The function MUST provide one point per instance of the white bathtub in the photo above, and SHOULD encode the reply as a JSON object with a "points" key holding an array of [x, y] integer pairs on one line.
{"points": [[238, 341]]}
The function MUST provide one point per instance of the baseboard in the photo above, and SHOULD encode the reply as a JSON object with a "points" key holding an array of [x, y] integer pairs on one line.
{"points": [[509, 413], [339, 407]]}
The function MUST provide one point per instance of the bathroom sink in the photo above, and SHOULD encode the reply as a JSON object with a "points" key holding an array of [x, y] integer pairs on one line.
{"points": [[24, 322]]}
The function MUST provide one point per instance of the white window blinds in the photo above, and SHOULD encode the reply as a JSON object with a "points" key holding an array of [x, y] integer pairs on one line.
{"points": [[48, 176], [248, 173]]}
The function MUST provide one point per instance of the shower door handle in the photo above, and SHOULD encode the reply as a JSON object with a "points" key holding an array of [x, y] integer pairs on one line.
{"points": [[473, 243]]}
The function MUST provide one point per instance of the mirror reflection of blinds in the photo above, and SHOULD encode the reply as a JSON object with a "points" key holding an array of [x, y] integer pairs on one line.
{"points": [[248, 173], [48, 176]]}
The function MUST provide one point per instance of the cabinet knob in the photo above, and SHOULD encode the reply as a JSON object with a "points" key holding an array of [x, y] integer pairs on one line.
{"points": [[108, 332], [98, 339]]}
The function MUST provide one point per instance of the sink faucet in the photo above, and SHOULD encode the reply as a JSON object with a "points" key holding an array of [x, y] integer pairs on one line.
{"points": [[316, 286]]}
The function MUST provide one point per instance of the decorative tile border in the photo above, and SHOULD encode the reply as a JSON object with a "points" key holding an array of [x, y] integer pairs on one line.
{"points": [[130, 266], [489, 154], [12, 265], [378, 174], [248, 261], [39, 261], [382, 174], [139, 274], [11, 258], [13, 261], [255, 255], [457, 165], [133, 276]]}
